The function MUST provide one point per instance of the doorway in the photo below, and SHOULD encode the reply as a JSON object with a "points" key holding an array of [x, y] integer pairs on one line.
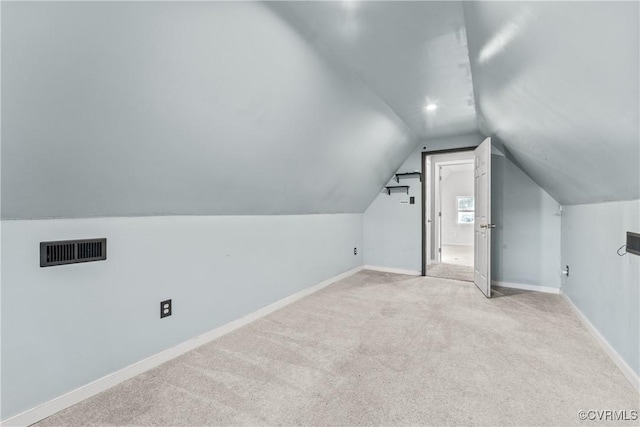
{"points": [[450, 215], [479, 208]]}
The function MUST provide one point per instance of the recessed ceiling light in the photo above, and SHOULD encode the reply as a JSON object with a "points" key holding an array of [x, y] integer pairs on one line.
{"points": [[431, 107]]}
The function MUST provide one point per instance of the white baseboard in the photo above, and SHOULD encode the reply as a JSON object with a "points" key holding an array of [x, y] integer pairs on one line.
{"points": [[49, 408], [393, 270], [629, 373], [75, 396], [525, 287]]}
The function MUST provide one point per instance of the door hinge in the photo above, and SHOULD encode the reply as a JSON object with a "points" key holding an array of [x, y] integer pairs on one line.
{"points": [[439, 213], [439, 250]]}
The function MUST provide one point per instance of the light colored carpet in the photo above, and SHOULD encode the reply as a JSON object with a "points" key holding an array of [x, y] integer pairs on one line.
{"points": [[381, 349], [450, 271]]}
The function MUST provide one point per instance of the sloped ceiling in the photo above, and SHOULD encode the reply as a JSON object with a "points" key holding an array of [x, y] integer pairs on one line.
{"points": [[557, 83], [410, 53], [159, 108]]}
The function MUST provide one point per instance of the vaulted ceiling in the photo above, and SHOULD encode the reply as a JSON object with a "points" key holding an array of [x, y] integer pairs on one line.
{"points": [[146, 108], [412, 54], [557, 83], [183, 108]]}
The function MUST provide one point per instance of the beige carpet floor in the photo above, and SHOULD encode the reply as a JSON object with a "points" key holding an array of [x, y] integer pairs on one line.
{"points": [[381, 349], [450, 271]]}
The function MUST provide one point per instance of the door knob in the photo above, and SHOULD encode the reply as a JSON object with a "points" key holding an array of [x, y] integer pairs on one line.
{"points": [[487, 226]]}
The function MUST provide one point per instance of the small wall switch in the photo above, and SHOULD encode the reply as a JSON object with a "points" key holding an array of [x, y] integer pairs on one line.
{"points": [[165, 308]]}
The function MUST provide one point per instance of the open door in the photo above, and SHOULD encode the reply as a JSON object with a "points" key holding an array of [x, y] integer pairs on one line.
{"points": [[482, 223]]}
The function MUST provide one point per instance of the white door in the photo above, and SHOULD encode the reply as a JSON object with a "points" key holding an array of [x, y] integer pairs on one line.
{"points": [[482, 224], [438, 213]]}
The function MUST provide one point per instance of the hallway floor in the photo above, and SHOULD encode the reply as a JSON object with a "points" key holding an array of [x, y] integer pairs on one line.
{"points": [[458, 255], [381, 349]]}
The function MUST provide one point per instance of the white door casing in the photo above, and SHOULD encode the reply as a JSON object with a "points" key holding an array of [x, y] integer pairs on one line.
{"points": [[438, 217], [427, 201], [482, 224]]}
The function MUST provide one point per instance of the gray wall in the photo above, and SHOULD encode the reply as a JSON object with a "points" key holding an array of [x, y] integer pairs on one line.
{"points": [[161, 108], [392, 229], [526, 241], [603, 285], [454, 184], [120, 109], [525, 245], [63, 327], [392, 233]]}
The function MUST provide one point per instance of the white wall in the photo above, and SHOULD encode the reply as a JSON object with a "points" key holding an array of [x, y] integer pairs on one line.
{"points": [[454, 184], [603, 285], [431, 180], [65, 326], [525, 245]]}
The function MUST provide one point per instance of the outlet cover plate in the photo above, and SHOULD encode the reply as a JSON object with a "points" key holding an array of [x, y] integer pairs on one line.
{"points": [[165, 308]]}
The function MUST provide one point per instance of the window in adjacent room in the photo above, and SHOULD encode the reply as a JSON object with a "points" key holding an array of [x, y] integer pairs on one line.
{"points": [[466, 208]]}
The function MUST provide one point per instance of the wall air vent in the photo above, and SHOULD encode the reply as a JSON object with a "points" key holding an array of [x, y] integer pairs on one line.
{"points": [[72, 251]]}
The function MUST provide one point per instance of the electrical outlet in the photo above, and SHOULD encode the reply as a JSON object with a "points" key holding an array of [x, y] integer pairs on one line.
{"points": [[567, 271], [165, 308], [355, 251]]}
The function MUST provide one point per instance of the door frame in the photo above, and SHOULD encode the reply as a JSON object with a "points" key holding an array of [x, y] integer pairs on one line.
{"points": [[424, 196]]}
